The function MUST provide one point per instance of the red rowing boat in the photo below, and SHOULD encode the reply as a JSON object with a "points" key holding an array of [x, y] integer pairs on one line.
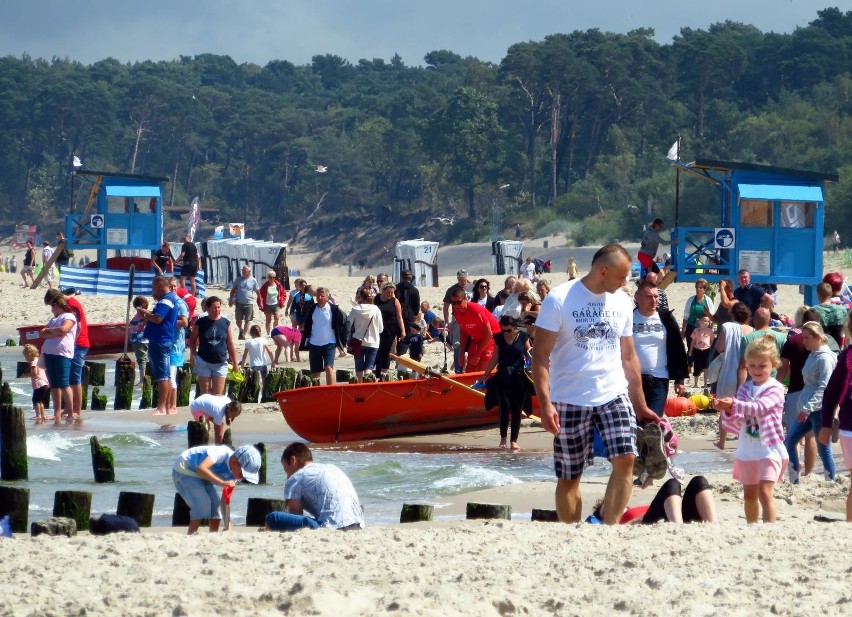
{"points": [[104, 338], [351, 412]]}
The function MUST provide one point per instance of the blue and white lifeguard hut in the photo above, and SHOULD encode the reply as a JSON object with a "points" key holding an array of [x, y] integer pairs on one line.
{"points": [[771, 223], [124, 211]]}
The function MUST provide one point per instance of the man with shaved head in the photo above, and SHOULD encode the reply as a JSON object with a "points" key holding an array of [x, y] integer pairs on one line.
{"points": [[761, 320], [587, 376]]}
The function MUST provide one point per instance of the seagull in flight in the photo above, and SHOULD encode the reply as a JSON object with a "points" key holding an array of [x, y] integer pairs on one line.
{"points": [[444, 220], [321, 169]]}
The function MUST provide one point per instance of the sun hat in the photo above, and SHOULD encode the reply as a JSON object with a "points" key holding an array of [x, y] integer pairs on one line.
{"points": [[249, 459]]}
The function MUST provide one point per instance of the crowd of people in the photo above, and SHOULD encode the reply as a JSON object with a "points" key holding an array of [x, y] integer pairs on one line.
{"points": [[527, 337]]}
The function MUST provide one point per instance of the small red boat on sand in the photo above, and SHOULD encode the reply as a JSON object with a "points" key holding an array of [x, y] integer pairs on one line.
{"points": [[105, 338], [351, 412]]}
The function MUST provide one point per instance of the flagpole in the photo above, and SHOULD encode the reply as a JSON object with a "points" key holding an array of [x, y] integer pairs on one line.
{"points": [[677, 184]]}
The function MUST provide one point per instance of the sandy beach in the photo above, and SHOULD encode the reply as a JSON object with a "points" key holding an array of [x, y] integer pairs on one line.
{"points": [[450, 567]]}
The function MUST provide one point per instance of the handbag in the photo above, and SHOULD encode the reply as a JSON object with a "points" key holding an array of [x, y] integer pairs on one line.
{"points": [[355, 346], [715, 368]]}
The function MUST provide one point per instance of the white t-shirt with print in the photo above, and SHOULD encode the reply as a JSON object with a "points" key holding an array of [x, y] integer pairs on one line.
{"points": [[585, 364], [649, 338]]}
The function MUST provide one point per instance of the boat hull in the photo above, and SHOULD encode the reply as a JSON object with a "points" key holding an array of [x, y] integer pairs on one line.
{"points": [[104, 338], [352, 412]]}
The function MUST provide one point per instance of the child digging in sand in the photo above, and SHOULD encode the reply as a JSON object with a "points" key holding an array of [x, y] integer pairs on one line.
{"points": [[217, 409], [755, 414], [38, 380]]}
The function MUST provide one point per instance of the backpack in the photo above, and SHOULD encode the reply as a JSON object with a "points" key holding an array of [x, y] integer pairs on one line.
{"points": [[112, 523]]}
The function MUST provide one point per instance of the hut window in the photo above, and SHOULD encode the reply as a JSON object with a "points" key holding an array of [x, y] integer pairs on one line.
{"points": [[755, 213], [798, 214]]}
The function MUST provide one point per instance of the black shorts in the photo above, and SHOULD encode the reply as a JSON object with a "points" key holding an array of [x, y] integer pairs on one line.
{"points": [[700, 359], [41, 395], [189, 268]]}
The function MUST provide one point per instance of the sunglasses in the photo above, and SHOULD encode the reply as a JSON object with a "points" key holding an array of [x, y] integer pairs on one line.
{"points": [[456, 302], [508, 330], [483, 286]]}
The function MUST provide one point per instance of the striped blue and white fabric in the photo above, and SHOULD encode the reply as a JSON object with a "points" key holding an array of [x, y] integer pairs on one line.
{"points": [[115, 282]]}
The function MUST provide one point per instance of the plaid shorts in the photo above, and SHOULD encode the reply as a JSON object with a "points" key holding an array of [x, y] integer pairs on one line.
{"points": [[572, 446]]}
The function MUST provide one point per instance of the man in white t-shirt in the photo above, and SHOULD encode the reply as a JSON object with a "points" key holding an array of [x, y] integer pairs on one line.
{"points": [[527, 270], [46, 254], [584, 369], [659, 347]]}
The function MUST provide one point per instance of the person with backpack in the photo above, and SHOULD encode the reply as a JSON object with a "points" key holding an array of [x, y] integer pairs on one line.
{"points": [[409, 302], [66, 255]]}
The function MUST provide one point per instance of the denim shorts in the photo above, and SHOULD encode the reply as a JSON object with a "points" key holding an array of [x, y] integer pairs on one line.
{"points": [[77, 362], [366, 360], [58, 369], [321, 356], [209, 369], [158, 356], [200, 495]]}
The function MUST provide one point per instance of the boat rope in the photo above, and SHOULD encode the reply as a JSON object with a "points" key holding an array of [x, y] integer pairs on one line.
{"points": [[364, 399]]}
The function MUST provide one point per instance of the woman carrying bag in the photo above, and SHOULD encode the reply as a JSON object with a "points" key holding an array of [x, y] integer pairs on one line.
{"points": [[367, 326]]}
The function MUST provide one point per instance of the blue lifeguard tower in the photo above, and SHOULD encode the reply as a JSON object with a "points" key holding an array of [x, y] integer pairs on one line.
{"points": [[124, 211], [771, 223]]}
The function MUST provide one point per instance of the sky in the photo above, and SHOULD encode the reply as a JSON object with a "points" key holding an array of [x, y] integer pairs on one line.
{"points": [[258, 31]]}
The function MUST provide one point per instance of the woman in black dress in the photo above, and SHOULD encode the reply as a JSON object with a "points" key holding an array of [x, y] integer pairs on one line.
{"points": [[393, 327], [511, 348]]}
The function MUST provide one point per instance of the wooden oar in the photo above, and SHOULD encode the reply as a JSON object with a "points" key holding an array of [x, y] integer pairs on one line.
{"points": [[423, 369]]}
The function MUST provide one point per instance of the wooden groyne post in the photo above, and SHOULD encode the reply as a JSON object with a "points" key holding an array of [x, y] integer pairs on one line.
{"points": [[103, 462], [15, 502], [138, 506], [74, 504], [13, 442]]}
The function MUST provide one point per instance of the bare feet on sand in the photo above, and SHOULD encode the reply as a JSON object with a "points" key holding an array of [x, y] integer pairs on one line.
{"points": [[160, 412], [502, 443], [515, 447]]}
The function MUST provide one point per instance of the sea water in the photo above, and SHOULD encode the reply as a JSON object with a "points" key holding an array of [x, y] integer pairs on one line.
{"points": [[60, 459]]}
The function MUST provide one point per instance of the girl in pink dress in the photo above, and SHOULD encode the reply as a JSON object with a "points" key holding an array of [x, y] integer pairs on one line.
{"points": [[755, 414]]}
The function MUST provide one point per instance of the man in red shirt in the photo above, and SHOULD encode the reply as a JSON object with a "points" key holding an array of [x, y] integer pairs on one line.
{"points": [[477, 328], [81, 348], [185, 295]]}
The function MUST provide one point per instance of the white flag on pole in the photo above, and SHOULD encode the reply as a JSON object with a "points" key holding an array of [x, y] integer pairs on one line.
{"points": [[673, 151]]}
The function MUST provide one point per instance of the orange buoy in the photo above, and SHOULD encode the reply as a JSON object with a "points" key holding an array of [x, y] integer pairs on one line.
{"points": [[677, 406]]}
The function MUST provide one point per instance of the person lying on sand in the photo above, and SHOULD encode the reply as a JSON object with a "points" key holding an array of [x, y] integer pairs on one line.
{"points": [[695, 505]]}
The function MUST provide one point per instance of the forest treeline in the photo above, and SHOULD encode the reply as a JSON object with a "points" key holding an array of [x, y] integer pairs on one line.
{"points": [[570, 130]]}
